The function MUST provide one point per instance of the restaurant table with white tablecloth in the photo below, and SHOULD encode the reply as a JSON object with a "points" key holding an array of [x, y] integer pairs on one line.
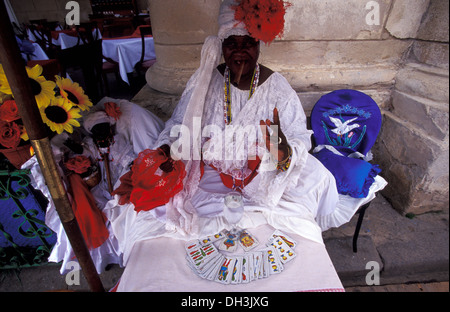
{"points": [[126, 51], [65, 38]]}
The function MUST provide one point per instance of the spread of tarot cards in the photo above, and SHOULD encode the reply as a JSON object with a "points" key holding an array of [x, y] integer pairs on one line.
{"points": [[209, 262]]}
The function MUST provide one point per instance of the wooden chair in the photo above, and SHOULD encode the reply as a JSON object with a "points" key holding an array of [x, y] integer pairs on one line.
{"points": [[142, 66], [87, 56], [51, 68], [109, 66], [43, 37], [102, 64]]}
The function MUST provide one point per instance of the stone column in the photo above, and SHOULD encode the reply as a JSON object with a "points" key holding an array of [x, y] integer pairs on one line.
{"points": [[413, 144], [179, 30]]}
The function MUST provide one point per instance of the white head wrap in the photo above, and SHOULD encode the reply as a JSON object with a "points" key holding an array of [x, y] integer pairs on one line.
{"points": [[96, 118], [228, 26]]}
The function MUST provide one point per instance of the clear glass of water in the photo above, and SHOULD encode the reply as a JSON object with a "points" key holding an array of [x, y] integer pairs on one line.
{"points": [[234, 208]]}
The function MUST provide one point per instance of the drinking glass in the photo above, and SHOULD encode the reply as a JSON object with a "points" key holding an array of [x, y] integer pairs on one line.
{"points": [[234, 208]]}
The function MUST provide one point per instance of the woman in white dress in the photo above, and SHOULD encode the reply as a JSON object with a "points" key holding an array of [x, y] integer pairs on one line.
{"points": [[220, 131]]}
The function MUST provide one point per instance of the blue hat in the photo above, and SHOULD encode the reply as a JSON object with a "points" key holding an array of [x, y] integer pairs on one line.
{"points": [[348, 120]]}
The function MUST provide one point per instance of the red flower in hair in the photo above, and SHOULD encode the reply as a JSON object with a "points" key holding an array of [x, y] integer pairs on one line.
{"points": [[9, 111], [78, 164], [9, 134], [264, 19], [113, 110]]}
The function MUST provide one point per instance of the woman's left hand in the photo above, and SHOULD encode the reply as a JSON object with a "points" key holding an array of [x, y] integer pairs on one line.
{"points": [[277, 139]]}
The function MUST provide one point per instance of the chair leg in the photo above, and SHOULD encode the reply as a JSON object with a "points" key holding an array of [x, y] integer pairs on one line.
{"points": [[361, 212], [105, 81]]}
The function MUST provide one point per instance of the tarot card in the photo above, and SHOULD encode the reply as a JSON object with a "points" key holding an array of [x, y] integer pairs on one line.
{"points": [[236, 277], [247, 240], [285, 253], [275, 265], [201, 255], [229, 243], [245, 273], [225, 271], [287, 239], [191, 245], [212, 238], [206, 268], [265, 264], [192, 266], [250, 259], [214, 268], [257, 264]]}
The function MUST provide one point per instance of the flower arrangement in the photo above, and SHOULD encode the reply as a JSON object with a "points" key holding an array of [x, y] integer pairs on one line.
{"points": [[264, 19], [59, 108], [59, 103]]}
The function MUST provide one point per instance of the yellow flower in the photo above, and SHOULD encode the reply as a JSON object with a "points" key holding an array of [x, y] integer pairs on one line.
{"points": [[23, 133], [60, 115], [73, 93], [43, 90]]}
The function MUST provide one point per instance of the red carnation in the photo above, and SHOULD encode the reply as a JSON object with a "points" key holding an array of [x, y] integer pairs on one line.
{"points": [[9, 134], [78, 164], [9, 111], [264, 20], [113, 110]]}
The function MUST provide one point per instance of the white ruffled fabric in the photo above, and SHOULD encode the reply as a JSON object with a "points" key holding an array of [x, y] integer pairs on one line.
{"points": [[62, 251]]}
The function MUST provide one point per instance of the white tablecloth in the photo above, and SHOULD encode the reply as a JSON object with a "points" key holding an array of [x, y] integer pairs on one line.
{"points": [[38, 53], [66, 41], [127, 52], [159, 265]]}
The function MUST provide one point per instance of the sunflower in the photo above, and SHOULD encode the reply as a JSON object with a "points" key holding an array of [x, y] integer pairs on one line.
{"points": [[43, 90], [73, 93], [60, 115]]}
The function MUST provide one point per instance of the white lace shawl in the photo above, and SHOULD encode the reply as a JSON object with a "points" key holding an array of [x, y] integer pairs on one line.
{"points": [[269, 185]]}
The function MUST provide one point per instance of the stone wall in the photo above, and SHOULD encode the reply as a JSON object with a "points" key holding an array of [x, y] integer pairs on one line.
{"points": [[52, 10], [394, 50], [413, 145]]}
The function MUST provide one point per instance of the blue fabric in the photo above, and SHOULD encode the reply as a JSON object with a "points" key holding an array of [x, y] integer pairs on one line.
{"points": [[349, 121], [338, 109], [353, 176], [15, 224]]}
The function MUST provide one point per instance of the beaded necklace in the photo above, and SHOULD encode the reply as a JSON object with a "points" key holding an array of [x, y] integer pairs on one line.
{"points": [[227, 97]]}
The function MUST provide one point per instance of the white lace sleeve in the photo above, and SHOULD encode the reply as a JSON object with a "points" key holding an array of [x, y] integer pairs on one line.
{"points": [[272, 183], [175, 119]]}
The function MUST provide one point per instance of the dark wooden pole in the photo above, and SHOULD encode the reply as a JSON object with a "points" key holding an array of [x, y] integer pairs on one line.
{"points": [[16, 74]]}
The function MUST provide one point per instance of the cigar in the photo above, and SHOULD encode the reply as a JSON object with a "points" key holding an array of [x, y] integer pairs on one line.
{"points": [[237, 79]]}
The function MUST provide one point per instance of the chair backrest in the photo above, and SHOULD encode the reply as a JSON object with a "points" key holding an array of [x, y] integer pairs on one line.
{"points": [[87, 55], [346, 119], [43, 37], [145, 30]]}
